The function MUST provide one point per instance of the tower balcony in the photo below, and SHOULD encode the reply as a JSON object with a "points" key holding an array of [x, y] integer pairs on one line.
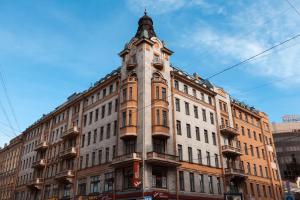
{"points": [[72, 132], [163, 159], [231, 151], [68, 153], [36, 183], [126, 159], [39, 163], [160, 131], [131, 64], [158, 63], [65, 176], [228, 131], [128, 132], [235, 174], [41, 146]]}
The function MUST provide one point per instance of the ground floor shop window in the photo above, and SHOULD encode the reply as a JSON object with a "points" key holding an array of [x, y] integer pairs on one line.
{"points": [[159, 177]]}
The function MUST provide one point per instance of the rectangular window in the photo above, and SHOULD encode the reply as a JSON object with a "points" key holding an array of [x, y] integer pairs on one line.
{"points": [[201, 179], [130, 93], [181, 180], [104, 92], [111, 88], [176, 84], [206, 136], [95, 136], [257, 152], [159, 177], [254, 168], [197, 133], [156, 92], [187, 108], [190, 154], [165, 119], [163, 93], [204, 115], [180, 152], [93, 158], [124, 119], [116, 105], [178, 127], [254, 135], [216, 160], [210, 184], [87, 160], [114, 151], [251, 149], [106, 154], [208, 158], [258, 189], [128, 178], [243, 130], [249, 133], [130, 118], [89, 139], [82, 140], [90, 117], [108, 182], [115, 127], [96, 114], [108, 131], [177, 104], [95, 184], [249, 168], [212, 121], [199, 156], [219, 185], [245, 149], [185, 88], [109, 108], [196, 111], [261, 171], [266, 172], [99, 157], [102, 111], [188, 130], [214, 138], [210, 100], [194, 93], [192, 182], [101, 133]]}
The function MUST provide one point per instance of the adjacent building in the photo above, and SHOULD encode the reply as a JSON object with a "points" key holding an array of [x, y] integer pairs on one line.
{"points": [[9, 167], [149, 129], [287, 137]]}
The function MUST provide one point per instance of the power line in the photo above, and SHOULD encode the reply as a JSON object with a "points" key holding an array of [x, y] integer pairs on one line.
{"points": [[7, 118], [254, 56], [7, 96], [293, 7]]}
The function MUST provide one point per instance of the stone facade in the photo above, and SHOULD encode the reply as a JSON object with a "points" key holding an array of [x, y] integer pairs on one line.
{"points": [[146, 129]]}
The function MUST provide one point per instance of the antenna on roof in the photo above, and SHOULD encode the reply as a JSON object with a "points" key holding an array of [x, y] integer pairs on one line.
{"points": [[145, 11]]}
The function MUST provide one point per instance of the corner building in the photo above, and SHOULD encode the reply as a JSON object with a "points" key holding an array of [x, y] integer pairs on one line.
{"points": [[145, 129]]}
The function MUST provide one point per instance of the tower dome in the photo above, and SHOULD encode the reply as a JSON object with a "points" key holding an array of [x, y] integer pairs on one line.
{"points": [[145, 29]]}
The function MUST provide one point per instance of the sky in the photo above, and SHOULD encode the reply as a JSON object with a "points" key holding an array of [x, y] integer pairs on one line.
{"points": [[51, 49]]}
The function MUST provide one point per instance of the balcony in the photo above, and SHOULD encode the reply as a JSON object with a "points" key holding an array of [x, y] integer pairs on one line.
{"points": [[72, 132], [125, 159], [231, 151], [68, 153], [228, 131], [128, 132], [235, 174], [41, 146], [158, 63], [36, 183], [131, 64], [160, 131], [65, 176], [163, 159], [39, 163]]}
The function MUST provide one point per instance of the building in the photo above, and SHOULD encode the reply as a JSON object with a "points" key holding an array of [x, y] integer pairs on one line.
{"points": [[148, 129], [9, 166], [286, 137]]}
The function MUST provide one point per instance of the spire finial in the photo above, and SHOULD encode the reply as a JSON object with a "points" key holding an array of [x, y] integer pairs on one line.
{"points": [[145, 12]]}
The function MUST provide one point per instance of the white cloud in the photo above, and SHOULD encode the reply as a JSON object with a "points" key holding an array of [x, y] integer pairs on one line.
{"points": [[256, 27]]}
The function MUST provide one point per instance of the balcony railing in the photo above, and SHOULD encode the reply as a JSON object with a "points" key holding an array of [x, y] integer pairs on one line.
{"points": [[234, 173], [127, 158], [158, 63], [65, 175], [41, 146], [36, 183], [74, 131], [228, 130], [231, 150], [69, 152], [164, 159], [39, 163], [131, 64]]}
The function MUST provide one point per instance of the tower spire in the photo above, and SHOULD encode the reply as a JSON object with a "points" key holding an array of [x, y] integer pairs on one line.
{"points": [[145, 29]]}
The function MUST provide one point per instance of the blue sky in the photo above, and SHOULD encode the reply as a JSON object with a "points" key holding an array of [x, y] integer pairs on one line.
{"points": [[50, 49]]}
